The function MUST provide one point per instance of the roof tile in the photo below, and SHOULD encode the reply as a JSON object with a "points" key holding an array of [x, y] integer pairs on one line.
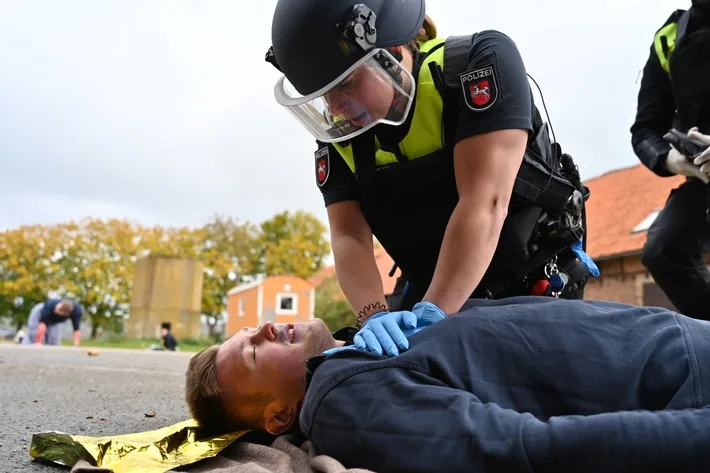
{"points": [[618, 202]]}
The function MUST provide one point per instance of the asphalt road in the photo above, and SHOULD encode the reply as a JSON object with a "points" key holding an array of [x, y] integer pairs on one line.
{"points": [[65, 389]]}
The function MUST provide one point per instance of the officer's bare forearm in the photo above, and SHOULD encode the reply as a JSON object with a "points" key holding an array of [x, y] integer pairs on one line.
{"points": [[358, 275], [467, 250]]}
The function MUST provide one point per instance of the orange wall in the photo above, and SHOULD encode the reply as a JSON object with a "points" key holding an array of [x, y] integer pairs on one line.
{"points": [[276, 284], [250, 318], [268, 290]]}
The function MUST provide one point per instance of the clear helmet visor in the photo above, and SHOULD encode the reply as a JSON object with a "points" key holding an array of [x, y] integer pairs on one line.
{"points": [[377, 89]]}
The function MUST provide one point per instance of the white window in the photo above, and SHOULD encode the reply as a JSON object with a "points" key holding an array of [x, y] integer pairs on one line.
{"points": [[286, 303], [241, 307]]}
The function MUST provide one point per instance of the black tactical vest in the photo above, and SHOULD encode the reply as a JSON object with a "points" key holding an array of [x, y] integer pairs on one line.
{"points": [[546, 210]]}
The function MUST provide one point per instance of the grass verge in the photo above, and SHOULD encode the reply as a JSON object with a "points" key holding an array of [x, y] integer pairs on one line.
{"points": [[186, 345]]}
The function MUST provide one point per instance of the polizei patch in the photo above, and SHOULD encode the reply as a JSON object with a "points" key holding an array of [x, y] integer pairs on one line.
{"points": [[322, 165], [480, 88]]}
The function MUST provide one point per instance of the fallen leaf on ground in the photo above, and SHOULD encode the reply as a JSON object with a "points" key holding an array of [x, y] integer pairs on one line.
{"points": [[150, 414]]}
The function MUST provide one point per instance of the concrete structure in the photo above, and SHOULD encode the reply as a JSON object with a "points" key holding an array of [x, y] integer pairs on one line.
{"points": [[166, 289], [277, 299]]}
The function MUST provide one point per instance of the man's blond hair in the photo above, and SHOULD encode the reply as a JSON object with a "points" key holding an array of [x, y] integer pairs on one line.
{"points": [[207, 406]]}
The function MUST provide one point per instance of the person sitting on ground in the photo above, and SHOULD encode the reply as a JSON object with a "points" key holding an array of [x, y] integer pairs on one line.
{"points": [[526, 384], [166, 337]]}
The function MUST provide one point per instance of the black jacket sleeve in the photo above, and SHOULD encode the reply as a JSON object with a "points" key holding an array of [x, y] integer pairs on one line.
{"points": [[654, 116], [407, 421]]}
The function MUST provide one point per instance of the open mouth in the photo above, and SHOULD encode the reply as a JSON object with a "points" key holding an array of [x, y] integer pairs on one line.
{"points": [[360, 120], [288, 333]]}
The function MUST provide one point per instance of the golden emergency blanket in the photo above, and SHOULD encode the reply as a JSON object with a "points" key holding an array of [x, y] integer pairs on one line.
{"points": [[155, 451]]}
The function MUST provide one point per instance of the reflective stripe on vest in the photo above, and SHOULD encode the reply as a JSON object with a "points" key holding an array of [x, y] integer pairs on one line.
{"points": [[669, 33], [425, 133]]}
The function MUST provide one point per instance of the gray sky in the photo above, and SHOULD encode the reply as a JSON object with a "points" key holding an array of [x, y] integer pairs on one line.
{"points": [[163, 111]]}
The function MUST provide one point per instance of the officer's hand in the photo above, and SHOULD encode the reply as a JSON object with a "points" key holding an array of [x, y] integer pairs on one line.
{"points": [[704, 157], [679, 164], [427, 313], [384, 331]]}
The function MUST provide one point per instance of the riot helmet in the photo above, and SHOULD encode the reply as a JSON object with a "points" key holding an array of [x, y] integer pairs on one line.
{"points": [[339, 78]]}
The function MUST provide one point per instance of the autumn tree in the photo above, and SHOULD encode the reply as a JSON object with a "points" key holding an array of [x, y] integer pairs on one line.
{"points": [[331, 305], [291, 243], [28, 259], [182, 242], [96, 260], [227, 250]]}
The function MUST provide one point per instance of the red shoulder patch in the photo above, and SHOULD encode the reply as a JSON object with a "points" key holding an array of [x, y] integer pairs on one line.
{"points": [[480, 88], [322, 166]]}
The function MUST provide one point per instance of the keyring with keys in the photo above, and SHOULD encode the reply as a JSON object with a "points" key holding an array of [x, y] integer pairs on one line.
{"points": [[557, 281]]}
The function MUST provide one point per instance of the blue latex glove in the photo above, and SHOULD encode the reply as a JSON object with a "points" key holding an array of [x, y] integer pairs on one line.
{"points": [[584, 258], [427, 313], [385, 331]]}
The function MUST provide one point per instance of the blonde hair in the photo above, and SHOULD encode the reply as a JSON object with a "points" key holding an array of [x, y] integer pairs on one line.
{"points": [[426, 32], [214, 414]]}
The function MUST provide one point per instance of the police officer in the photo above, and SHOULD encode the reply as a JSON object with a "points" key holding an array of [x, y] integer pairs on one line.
{"points": [[427, 144], [675, 93]]}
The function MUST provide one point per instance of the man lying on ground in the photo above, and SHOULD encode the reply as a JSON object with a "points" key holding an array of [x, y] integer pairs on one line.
{"points": [[516, 385]]}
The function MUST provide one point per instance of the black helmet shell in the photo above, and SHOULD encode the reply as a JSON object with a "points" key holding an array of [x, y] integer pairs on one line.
{"points": [[308, 45]]}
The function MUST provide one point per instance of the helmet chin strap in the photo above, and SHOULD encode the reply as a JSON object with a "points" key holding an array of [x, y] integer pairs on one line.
{"points": [[396, 102], [397, 74]]}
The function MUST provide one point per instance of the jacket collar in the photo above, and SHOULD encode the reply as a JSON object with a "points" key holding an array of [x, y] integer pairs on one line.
{"points": [[345, 334]]}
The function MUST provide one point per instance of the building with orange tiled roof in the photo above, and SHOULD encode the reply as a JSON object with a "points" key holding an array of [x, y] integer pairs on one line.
{"points": [[622, 205], [621, 208]]}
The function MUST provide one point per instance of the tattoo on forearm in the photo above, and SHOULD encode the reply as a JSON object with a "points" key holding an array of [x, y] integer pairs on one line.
{"points": [[370, 309]]}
